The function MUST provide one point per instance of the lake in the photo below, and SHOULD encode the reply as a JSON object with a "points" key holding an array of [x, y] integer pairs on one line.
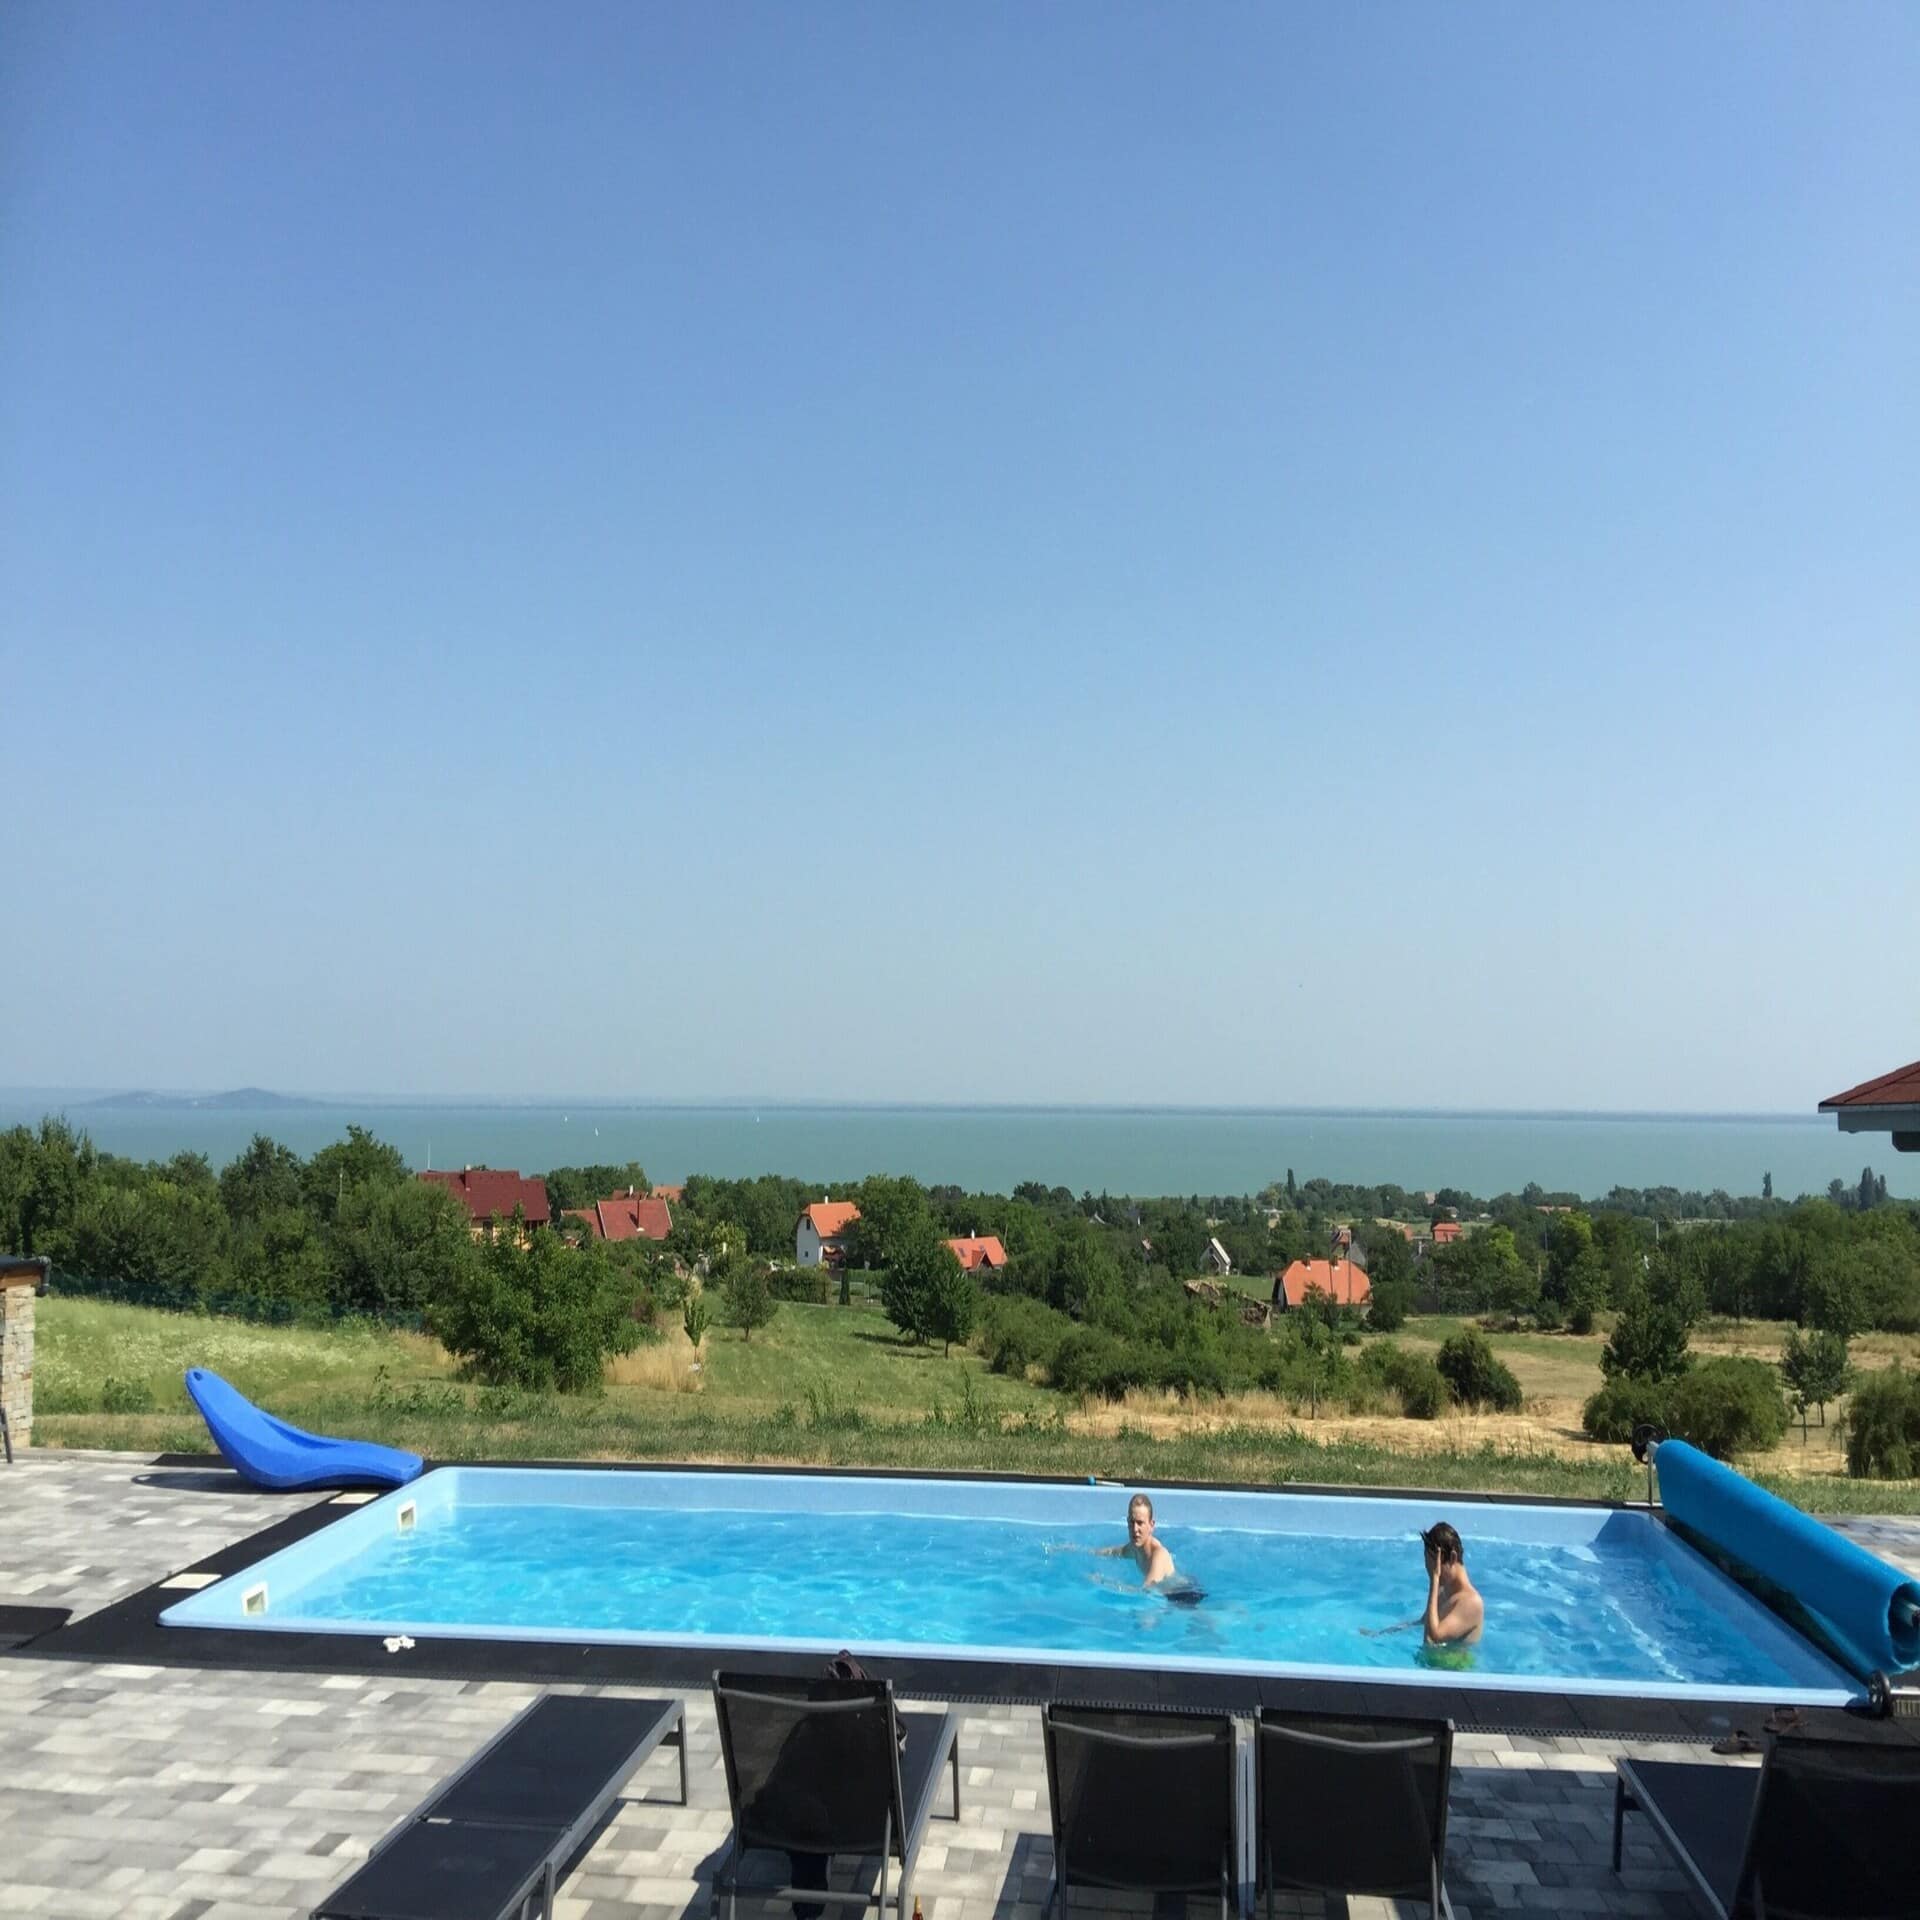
{"points": [[1121, 1150]]}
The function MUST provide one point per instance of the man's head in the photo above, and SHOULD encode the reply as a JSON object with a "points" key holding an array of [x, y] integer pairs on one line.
{"points": [[1442, 1544], [1139, 1519]]}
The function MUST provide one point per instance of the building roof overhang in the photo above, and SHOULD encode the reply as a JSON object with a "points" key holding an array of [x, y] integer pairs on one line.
{"points": [[1887, 1104]]}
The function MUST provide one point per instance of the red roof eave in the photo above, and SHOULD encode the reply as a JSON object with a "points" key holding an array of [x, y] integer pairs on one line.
{"points": [[1900, 1088]]}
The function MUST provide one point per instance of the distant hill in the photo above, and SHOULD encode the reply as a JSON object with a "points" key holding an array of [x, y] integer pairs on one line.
{"points": [[236, 1099]]}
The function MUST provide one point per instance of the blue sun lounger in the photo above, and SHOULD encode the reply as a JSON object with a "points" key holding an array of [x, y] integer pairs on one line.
{"points": [[272, 1454]]}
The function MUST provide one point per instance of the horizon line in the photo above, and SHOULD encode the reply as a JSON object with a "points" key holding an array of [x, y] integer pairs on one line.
{"points": [[785, 1103]]}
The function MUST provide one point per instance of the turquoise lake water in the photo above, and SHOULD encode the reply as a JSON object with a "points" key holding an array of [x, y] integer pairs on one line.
{"points": [[1142, 1151]]}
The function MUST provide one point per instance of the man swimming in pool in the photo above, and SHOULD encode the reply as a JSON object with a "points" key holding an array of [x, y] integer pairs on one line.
{"points": [[1146, 1553]]}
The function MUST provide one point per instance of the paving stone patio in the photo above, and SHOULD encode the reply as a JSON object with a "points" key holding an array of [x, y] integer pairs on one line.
{"points": [[160, 1793]]}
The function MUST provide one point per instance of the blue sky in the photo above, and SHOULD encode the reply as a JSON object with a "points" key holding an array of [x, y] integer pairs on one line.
{"points": [[1222, 554]]}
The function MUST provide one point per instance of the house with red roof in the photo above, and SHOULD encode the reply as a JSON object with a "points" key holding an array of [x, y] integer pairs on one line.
{"points": [[1446, 1232], [626, 1216], [488, 1193], [1344, 1282], [977, 1251], [820, 1237], [674, 1196], [1889, 1104]]}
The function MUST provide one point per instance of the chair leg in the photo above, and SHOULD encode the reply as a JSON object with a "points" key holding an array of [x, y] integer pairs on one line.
{"points": [[956, 1777], [1619, 1817], [683, 1758]]}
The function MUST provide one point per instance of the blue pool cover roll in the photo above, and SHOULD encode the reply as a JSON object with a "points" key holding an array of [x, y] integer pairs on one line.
{"points": [[1873, 1609]]}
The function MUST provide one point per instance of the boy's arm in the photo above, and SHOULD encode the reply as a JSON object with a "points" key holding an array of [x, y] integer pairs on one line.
{"points": [[1461, 1621]]}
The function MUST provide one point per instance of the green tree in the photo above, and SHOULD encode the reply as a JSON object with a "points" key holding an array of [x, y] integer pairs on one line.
{"points": [[393, 1245], [264, 1179], [893, 1214], [44, 1175], [695, 1318], [1389, 1254], [749, 1297], [582, 1186], [953, 1302], [1830, 1299], [359, 1160], [532, 1311], [1816, 1370], [1649, 1340], [911, 1283]]}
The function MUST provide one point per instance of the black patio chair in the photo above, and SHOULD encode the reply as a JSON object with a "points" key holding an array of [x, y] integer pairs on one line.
{"points": [[1349, 1805], [1822, 1829], [1142, 1802], [496, 1837], [818, 1767]]}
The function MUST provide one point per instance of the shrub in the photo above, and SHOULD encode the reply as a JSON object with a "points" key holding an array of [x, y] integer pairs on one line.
{"points": [[1883, 1426], [1623, 1404], [1388, 1309], [1478, 1377], [1728, 1406], [1019, 1333], [1580, 1319], [1649, 1340], [1421, 1389], [124, 1396], [811, 1286], [1093, 1361]]}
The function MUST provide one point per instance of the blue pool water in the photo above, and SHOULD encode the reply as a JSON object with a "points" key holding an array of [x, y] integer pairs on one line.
{"points": [[1578, 1599]]}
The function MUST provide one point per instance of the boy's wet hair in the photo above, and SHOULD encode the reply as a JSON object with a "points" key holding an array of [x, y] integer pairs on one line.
{"points": [[1141, 1500], [1444, 1541]]}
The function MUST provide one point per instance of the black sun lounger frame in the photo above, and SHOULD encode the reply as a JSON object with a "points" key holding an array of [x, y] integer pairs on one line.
{"points": [[1823, 1829], [827, 1768], [494, 1839]]}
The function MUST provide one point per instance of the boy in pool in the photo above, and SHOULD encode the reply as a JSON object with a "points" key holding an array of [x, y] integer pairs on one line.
{"points": [[1455, 1611]]}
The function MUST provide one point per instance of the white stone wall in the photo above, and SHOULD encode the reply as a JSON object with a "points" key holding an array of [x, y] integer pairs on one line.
{"points": [[16, 1361]]}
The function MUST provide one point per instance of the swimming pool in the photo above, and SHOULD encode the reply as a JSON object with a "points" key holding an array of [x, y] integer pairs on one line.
{"points": [[1579, 1599]]}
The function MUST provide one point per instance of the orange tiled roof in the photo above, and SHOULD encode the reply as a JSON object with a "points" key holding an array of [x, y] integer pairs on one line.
{"points": [[1347, 1283], [1900, 1088], [979, 1250], [675, 1194], [831, 1218], [1445, 1232]]}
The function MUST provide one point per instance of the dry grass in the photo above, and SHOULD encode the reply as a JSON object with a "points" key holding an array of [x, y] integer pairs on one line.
{"points": [[670, 1364]]}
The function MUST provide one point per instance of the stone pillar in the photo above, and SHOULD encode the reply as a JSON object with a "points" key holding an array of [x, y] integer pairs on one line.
{"points": [[19, 1281]]}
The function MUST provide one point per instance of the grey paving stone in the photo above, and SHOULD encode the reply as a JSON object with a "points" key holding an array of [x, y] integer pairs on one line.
{"points": [[167, 1794]]}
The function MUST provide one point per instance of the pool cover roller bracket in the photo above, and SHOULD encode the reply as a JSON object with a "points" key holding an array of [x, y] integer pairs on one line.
{"points": [[1872, 1609]]}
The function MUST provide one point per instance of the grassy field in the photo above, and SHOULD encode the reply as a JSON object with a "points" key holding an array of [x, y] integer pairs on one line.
{"points": [[832, 1386]]}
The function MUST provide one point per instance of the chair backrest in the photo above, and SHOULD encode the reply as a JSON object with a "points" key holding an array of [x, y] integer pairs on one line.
{"points": [[1836, 1831], [813, 1765], [1349, 1805], [1142, 1800]]}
